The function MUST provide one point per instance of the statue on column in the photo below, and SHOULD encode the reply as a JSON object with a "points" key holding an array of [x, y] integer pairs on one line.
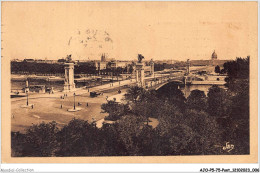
{"points": [[69, 84], [140, 58], [188, 66], [140, 71], [68, 59]]}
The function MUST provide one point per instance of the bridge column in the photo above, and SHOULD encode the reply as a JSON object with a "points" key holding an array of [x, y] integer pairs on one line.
{"points": [[140, 74], [188, 66], [152, 68], [185, 80], [69, 77]]}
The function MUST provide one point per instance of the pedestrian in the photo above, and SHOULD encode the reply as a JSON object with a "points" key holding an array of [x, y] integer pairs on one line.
{"points": [[61, 106], [87, 104], [32, 106]]}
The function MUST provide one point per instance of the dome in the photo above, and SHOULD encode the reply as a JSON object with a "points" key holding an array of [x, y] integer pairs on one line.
{"points": [[214, 55]]}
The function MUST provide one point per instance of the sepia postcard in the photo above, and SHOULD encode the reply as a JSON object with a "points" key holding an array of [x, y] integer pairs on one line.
{"points": [[129, 82]]}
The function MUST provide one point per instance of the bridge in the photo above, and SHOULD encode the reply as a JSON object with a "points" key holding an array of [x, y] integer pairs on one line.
{"points": [[161, 79], [155, 81], [169, 81]]}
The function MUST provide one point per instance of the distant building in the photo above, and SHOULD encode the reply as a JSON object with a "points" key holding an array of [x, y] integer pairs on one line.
{"points": [[214, 56], [116, 64], [122, 64], [213, 61], [62, 60], [103, 58], [16, 60], [100, 65], [112, 64], [51, 61], [39, 60], [28, 60]]}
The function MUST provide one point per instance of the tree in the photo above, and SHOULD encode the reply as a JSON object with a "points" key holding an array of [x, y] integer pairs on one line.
{"points": [[145, 141], [217, 69], [40, 140], [111, 142], [17, 144], [129, 128], [218, 102], [206, 130], [79, 138], [115, 110], [168, 117], [159, 67], [147, 108], [134, 94], [237, 126], [173, 134], [238, 69], [197, 100], [130, 69]]}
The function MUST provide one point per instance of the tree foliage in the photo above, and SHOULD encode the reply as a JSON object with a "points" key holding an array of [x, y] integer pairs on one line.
{"points": [[218, 102], [115, 110], [39, 140], [78, 138], [134, 94], [197, 100], [217, 69]]}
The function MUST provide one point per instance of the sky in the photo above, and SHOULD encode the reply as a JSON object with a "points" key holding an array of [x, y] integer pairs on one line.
{"points": [[122, 30]]}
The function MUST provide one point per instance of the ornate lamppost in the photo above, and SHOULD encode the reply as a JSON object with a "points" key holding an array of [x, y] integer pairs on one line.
{"points": [[27, 92], [27, 95], [74, 101]]}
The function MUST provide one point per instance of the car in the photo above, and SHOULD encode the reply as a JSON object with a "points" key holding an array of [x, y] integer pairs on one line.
{"points": [[94, 94]]}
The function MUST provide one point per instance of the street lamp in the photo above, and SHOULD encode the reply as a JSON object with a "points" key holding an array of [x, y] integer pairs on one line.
{"points": [[119, 91], [27, 93], [74, 101], [61, 101], [112, 75]]}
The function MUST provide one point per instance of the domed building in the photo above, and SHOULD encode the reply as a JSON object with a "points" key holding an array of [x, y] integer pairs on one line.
{"points": [[214, 56]]}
